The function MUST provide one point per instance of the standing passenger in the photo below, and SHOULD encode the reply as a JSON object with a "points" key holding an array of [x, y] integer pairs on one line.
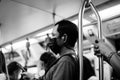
{"points": [[64, 37]]}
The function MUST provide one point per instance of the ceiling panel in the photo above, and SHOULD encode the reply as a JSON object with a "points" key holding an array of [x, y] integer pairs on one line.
{"points": [[18, 20], [62, 8], [22, 17]]}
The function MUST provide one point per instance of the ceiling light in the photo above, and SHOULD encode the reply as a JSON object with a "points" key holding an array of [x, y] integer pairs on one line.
{"points": [[109, 12], [84, 21], [44, 32]]}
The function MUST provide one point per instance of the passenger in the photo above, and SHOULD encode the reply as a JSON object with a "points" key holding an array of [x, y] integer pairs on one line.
{"points": [[48, 60], [65, 35], [2, 67], [110, 56], [14, 70]]}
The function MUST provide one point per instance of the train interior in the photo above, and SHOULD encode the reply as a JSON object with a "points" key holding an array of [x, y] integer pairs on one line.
{"points": [[26, 23]]}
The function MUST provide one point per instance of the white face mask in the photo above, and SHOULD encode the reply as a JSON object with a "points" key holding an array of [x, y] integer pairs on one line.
{"points": [[42, 72], [2, 76], [19, 75]]}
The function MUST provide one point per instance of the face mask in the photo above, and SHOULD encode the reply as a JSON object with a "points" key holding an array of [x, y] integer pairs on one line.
{"points": [[54, 46], [19, 76]]}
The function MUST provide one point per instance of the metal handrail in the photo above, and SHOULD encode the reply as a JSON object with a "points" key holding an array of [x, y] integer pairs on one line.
{"points": [[80, 39], [88, 3], [100, 38]]}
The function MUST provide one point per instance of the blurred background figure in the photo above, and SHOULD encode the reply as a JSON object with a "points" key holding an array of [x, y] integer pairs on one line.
{"points": [[47, 60], [2, 67], [14, 70]]}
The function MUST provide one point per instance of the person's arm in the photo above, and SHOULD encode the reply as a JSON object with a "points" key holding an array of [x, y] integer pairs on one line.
{"points": [[115, 62], [112, 57]]}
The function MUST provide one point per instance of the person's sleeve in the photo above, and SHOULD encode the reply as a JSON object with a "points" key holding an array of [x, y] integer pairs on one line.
{"points": [[63, 71], [115, 63]]}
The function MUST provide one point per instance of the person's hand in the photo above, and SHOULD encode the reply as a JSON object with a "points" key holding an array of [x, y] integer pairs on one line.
{"points": [[2, 76], [104, 48], [27, 76]]}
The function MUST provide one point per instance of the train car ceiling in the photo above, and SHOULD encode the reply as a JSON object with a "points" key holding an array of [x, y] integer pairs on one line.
{"points": [[21, 18], [27, 18]]}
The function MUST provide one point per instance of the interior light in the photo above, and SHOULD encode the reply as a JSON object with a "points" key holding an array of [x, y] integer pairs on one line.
{"points": [[32, 70], [8, 47], [17, 45], [32, 41], [4, 50], [44, 32], [84, 21], [109, 12], [23, 43]]}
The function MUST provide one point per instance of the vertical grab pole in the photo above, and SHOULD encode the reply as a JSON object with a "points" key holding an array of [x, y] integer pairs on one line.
{"points": [[100, 37], [80, 39]]}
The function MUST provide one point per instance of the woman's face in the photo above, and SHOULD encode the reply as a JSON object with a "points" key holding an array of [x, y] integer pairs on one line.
{"points": [[17, 74], [41, 68]]}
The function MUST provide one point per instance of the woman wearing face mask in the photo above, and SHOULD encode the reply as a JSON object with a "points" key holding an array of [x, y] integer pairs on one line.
{"points": [[14, 70]]}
